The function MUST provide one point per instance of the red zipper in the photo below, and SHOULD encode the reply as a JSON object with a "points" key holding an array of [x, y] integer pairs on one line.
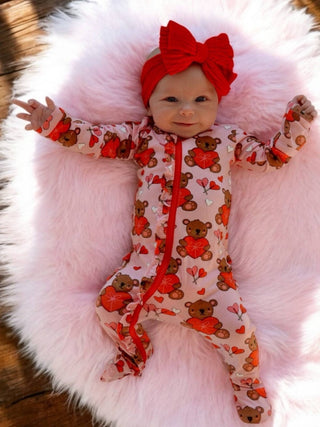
{"points": [[167, 253]]}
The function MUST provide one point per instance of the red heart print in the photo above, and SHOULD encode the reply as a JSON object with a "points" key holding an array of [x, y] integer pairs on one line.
{"points": [[214, 186], [192, 271], [202, 272], [203, 182]]}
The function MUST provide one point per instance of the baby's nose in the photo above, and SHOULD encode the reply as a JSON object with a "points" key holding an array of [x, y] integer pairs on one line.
{"points": [[186, 110]]}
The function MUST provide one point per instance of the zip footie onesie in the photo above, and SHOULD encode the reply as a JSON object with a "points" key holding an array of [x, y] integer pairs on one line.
{"points": [[179, 270]]}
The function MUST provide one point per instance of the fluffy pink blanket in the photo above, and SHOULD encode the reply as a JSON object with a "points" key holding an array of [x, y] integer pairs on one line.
{"points": [[68, 223]]}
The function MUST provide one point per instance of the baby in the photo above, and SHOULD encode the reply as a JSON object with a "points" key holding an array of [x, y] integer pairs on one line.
{"points": [[179, 269]]}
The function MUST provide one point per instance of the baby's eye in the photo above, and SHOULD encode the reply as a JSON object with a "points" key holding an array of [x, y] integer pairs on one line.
{"points": [[201, 98], [171, 99]]}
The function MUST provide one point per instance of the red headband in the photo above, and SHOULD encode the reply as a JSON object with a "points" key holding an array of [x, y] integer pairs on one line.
{"points": [[179, 49]]}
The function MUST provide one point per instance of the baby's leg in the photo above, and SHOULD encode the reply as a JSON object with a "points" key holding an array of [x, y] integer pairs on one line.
{"points": [[115, 306], [233, 335]]}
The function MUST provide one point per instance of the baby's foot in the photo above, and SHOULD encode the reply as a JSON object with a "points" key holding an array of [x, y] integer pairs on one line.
{"points": [[119, 368], [251, 401]]}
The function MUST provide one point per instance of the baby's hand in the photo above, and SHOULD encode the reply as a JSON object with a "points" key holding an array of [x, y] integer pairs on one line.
{"points": [[37, 112], [307, 110]]}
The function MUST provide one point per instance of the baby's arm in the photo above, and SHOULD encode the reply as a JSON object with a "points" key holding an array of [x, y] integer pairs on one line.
{"points": [[254, 154], [112, 141]]}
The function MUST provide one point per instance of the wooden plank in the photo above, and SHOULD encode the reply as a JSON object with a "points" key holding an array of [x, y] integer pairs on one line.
{"points": [[19, 38], [311, 6], [27, 399]]}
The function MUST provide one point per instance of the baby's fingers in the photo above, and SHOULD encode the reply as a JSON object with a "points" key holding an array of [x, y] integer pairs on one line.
{"points": [[29, 127], [50, 103], [308, 109], [23, 105], [24, 116], [33, 103]]}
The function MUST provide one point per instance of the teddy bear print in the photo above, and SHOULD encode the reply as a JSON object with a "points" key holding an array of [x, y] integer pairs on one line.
{"points": [[254, 392], [253, 359], [204, 155], [293, 115], [232, 136], [195, 243], [62, 132], [124, 332], [144, 155], [225, 278], [141, 224], [201, 318], [222, 217], [145, 283], [250, 415], [169, 148], [275, 157], [111, 145], [70, 137], [300, 141], [252, 158], [238, 151], [171, 283], [125, 146], [124, 335], [184, 196], [160, 245], [116, 297]]}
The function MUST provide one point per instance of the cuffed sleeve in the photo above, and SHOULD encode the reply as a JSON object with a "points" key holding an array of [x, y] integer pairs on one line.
{"points": [[94, 140], [253, 154]]}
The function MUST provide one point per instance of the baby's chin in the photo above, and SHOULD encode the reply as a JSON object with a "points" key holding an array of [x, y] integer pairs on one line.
{"points": [[187, 130]]}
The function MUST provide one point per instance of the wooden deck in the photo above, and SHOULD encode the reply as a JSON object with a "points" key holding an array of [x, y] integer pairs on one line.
{"points": [[27, 400]]}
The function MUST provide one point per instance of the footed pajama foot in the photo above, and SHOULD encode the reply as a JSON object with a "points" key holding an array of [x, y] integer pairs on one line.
{"points": [[251, 401], [121, 367]]}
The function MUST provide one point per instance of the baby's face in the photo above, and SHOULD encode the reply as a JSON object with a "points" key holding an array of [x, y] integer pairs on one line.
{"points": [[185, 103]]}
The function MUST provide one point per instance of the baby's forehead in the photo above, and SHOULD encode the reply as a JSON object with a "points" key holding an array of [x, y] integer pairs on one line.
{"points": [[191, 80]]}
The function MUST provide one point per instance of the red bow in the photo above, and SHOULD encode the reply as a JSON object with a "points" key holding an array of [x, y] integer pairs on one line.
{"points": [[179, 49]]}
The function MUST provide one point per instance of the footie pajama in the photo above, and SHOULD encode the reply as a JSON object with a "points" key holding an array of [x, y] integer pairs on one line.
{"points": [[179, 270]]}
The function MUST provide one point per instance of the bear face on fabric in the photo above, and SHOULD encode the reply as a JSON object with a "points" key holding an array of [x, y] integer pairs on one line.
{"points": [[144, 155], [204, 155], [195, 243], [141, 224], [116, 297], [62, 133], [250, 415], [253, 360], [222, 217], [171, 284], [185, 198], [225, 278], [202, 320]]}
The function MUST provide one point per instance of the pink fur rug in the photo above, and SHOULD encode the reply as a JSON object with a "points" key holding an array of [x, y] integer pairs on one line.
{"points": [[68, 223]]}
